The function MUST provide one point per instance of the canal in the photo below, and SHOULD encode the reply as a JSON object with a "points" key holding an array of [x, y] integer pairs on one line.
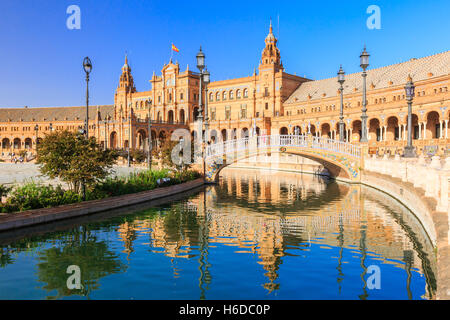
{"points": [[255, 235]]}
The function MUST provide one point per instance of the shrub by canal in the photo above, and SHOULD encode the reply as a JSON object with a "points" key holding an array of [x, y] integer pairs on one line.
{"points": [[33, 195]]}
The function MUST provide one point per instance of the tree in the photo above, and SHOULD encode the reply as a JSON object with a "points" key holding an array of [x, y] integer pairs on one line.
{"points": [[4, 190], [167, 155], [74, 159]]}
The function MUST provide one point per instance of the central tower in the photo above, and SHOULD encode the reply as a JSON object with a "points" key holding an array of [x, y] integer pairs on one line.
{"points": [[271, 57], [270, 74]]}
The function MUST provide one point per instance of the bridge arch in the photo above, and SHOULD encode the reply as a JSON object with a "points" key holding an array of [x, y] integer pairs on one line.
{"points": [[340, 159]]}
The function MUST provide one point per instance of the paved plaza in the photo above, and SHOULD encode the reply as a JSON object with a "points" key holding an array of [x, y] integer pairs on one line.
{"points": [[24, 172]]}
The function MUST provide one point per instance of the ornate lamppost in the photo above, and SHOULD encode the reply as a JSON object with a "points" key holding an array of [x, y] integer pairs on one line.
{"points": [[36, 129], [129, 139], [409, 151], [106, 134], [150, 147], [364, 63], [341, 80], [87, 65], [206, 79], [201, 65]]}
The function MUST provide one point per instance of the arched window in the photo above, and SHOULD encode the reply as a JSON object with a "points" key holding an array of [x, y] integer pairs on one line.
{"points": [[224, 95], [211, 97], [218, 96], [245, 93], [231, 94], [238, 94]]}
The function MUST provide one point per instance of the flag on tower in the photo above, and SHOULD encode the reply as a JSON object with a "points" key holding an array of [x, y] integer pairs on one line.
{"points": [[175, 48]]}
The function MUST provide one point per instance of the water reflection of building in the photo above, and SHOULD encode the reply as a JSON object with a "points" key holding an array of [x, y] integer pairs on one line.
{"points": [[270, 214]]}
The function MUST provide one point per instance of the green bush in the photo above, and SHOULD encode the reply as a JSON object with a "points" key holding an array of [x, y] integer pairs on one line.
{"points": [[34, 196], [136, 182]]}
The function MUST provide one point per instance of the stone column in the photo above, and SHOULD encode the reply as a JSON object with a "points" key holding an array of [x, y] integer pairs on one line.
{"points": [[440, 129], [425, 130], [446, 129], [420, 130]]}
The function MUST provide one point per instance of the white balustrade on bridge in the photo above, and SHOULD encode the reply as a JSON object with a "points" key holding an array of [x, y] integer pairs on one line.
{"points": [[431, 176], [270, 141]]}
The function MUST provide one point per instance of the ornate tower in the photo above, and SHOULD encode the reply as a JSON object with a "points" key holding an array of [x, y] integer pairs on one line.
{"points": [[270, 76], [124, 90], [271, 54]]}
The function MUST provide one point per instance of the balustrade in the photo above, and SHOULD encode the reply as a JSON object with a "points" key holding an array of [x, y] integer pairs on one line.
{"points": [[431, 176]]}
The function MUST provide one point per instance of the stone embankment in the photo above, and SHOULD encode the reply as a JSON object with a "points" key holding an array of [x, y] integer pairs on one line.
{"points": [[422, 186]]}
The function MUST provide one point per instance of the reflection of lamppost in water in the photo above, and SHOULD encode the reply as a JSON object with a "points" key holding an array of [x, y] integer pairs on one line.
{"points": [[362, 248], [205, 276], [340, 239], [408, 259]]}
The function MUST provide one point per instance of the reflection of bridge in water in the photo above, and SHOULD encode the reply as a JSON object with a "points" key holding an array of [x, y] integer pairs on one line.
{"points": [[359, 226]]}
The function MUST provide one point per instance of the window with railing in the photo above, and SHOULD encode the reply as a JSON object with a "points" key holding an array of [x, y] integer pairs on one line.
{"points": [[243, 111], [228, 113]]}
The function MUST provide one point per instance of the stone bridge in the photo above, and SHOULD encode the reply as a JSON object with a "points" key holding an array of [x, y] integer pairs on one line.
{"points": [[342, 160]]}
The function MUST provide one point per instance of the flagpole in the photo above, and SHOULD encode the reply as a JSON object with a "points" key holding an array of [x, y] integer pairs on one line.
{"points": [[171, 52]]}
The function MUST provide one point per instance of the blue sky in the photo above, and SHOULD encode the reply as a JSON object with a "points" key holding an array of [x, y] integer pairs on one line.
{"points": [[41, 58]]}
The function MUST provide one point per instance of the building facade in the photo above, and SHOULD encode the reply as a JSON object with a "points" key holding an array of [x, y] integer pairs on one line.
{"points": [[270, 101]]}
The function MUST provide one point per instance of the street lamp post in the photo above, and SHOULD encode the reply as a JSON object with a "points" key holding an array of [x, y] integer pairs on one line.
{"points": [[149, 158], [106, 134], [409, 151], [341, 80], [364, 63], [36, 129], [129, 139], [206, 80], [83, 185], [201, 65], [87, 65]]}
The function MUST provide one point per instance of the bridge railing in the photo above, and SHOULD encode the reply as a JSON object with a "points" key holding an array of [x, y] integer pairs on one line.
{"points": [[278, 140], [336, 146]]}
